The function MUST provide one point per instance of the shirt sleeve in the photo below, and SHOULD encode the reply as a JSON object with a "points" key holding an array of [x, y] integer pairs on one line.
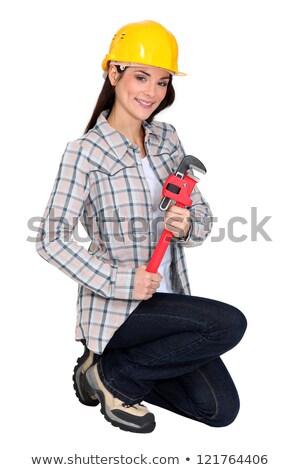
{"points": [[55, 242], [200, 212]]}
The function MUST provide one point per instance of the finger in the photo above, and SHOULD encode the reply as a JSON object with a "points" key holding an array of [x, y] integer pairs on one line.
{"points": [[174, 225], [143, 266], [155, 285], [175, 222], [177, 232], [179, 210], [178, 218]]}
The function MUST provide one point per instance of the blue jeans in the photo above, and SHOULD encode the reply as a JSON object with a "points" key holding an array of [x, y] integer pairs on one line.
{"points": [[167, 353]]}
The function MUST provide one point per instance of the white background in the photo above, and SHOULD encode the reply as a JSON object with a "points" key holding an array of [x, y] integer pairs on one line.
{"points": [[238, 111]]}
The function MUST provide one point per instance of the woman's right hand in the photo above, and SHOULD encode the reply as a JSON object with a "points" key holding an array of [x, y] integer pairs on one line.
{"points": [[145, 283]]}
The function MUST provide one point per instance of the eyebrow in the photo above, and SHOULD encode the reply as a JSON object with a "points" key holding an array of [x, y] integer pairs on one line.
{"points": [[149, 75]]}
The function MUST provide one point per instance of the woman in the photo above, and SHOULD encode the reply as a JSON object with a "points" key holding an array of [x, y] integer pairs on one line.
{"points": [[146, 338]]}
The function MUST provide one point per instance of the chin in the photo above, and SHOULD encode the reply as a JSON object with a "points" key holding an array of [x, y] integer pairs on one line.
{"points": [[144, 114]]}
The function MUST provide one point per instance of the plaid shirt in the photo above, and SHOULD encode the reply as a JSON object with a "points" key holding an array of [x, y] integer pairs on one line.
{"points": [[101, 182]]}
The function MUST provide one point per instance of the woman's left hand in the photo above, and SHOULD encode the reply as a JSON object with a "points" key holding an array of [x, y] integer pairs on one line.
{"points": [[178, 221]]}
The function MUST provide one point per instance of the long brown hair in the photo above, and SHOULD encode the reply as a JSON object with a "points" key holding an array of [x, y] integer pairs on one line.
{"points": [[106, 100]]}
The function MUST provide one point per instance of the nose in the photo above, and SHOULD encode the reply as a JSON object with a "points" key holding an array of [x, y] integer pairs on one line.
{"points": [[150, 89]]}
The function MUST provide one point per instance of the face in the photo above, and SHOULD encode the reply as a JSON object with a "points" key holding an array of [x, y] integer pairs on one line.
{"points": [[139, 90]]}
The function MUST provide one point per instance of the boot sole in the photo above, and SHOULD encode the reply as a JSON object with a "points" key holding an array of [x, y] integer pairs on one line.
{"points": [[147, 428], [114, 420], [87, 396], [79, 380]]}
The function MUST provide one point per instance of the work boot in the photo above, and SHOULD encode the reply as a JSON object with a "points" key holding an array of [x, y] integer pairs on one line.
{"points": [[134, 418], [79, 382]]}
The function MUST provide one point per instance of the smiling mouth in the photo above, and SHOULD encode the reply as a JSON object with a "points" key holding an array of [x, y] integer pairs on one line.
{"points": [[144, 104]]}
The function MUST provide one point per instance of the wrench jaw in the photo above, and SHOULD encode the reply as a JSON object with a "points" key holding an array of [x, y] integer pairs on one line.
{"points": [[189, 161], [196, 168], [185, 169], [194, 177]]}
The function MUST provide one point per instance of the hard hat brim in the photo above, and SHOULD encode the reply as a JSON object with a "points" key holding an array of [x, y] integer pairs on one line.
{"points": [[107, 62]]}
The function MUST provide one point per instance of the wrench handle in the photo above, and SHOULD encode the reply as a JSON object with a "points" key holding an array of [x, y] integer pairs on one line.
{"points": [[161, 248], [159, 251]]}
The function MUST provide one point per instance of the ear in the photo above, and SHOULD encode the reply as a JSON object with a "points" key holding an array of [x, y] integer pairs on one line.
{"points": [[113, 75]]}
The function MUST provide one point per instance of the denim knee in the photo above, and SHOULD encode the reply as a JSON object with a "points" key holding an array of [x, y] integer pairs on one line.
{"points": [[236, 325], [240, 324], [226, 409], [226, 414]]}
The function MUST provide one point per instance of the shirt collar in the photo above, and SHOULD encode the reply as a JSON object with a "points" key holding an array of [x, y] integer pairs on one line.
{"points": [[149, 131], [117, 141]]}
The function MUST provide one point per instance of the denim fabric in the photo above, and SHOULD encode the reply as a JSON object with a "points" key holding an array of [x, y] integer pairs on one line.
{"points": [[167, 353]]}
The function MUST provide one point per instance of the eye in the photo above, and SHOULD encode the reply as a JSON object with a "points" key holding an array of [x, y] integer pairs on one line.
{"points": [[140, 78], [163, 84]]}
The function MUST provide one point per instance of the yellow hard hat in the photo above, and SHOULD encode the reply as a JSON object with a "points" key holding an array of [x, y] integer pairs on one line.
{"points": [[145, 43]]}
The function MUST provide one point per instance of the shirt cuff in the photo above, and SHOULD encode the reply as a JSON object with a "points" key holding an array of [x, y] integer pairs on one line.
{"points": [[123, 283]]}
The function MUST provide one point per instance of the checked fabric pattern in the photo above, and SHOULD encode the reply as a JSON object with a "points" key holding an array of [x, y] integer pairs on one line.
{"points": [[101, 183]]}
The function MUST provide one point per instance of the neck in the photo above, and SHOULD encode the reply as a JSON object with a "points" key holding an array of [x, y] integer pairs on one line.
{"points": [[129, 127]]}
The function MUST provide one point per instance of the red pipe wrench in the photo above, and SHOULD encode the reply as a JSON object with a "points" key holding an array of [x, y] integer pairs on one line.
{"points": [[177, 187]]}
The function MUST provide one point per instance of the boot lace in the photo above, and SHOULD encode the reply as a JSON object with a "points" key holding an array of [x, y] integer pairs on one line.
{"points": [[126, 405]]}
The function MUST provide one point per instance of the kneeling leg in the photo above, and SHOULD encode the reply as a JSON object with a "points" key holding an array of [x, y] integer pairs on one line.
{"points": [[206, 394]]}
